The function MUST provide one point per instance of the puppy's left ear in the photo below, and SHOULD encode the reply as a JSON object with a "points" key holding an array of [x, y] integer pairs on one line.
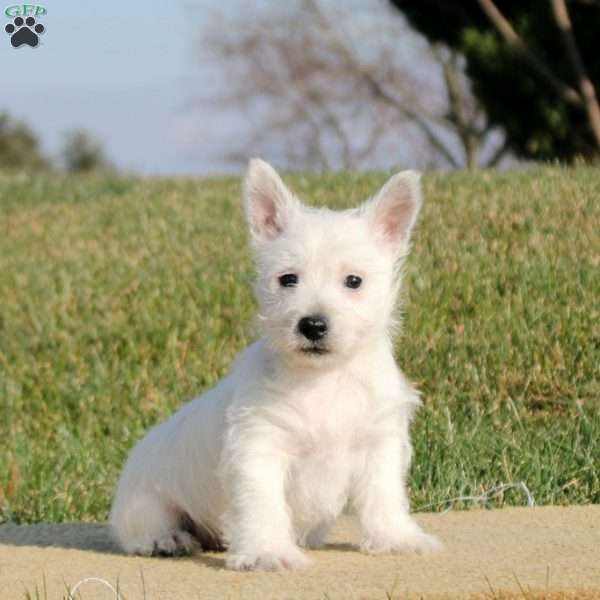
{"points": [[393, 212]]}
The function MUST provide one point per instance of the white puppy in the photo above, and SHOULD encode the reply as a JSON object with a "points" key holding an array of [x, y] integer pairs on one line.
{"points": [[312, 417]]}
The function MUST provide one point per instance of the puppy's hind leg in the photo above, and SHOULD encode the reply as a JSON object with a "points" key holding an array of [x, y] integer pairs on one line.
{"points": [[145, 524]]}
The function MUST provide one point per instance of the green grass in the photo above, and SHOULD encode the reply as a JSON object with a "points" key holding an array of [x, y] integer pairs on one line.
{"points": [[122, 298]]}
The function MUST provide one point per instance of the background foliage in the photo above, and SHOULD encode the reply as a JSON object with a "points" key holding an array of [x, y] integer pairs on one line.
{"points": [[538, 123]]}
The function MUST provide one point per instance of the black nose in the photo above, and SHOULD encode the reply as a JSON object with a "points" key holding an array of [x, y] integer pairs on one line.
{"points": [[313, 328]]}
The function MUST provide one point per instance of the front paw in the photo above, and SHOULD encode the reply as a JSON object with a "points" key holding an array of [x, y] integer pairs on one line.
{"points": [[413, 541], [268, 560]]}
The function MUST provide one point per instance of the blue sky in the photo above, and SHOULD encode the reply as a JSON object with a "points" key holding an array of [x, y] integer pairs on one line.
{"points": [[121, 70]]}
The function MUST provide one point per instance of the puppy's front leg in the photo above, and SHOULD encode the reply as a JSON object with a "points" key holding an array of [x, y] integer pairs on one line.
{"points": [[382, 503], [257, 523]]}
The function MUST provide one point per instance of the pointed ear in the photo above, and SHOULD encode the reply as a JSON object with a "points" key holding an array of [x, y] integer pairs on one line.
{"points": [[267, 201], [393, 211]]}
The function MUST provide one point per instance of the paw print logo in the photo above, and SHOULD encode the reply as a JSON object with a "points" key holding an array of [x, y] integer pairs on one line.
{"points": [[24, 32]]}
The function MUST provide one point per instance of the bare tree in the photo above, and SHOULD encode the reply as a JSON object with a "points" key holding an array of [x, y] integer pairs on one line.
{"points": [[328, 90]]}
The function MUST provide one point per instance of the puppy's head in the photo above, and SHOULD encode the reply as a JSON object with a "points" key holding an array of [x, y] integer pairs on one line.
{"points": [[327, 280]]}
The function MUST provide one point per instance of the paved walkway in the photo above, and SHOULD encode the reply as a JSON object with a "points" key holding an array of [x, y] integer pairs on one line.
{"points": [[509, 550]]}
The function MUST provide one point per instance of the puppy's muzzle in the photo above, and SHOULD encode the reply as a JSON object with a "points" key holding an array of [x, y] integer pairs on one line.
{"points": [[313, 327]]}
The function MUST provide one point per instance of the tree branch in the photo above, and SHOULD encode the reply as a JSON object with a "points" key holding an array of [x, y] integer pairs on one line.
{"points": [[435, 141], [457, 113], [512, 38], [586, 87]]}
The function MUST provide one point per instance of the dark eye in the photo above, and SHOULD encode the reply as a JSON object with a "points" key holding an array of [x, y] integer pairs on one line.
{"points": [[288, 280], [353, 281]]}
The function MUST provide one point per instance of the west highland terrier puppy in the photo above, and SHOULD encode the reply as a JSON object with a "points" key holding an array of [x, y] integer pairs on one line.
{"points": [[313, 417]]}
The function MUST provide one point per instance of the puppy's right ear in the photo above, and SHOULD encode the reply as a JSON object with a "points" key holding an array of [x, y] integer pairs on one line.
{"points": [[268, 202]]}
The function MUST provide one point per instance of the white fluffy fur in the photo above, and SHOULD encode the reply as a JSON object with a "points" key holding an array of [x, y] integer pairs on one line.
{"points": [[267, 460]]}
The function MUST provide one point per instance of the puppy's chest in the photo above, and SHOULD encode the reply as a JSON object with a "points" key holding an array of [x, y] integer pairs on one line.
{"points": [[333, 421], [329, 445], [326, 460]]}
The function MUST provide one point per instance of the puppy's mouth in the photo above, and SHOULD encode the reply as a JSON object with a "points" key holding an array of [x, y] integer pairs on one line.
{"points": [[315, 350]]}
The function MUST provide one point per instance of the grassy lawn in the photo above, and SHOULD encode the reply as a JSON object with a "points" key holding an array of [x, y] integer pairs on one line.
{"points": [[122, 298]]}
